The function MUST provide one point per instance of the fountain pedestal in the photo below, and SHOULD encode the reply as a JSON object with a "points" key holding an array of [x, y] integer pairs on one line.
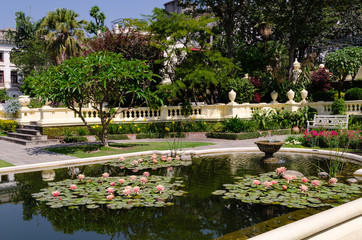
{"points": [[269, 148]]}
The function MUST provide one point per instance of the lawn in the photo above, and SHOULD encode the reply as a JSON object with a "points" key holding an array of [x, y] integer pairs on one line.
{"points": [[5, 164], [96, 150]]}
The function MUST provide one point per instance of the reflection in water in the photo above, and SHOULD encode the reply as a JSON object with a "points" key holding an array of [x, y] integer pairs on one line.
{"points": [[198, 215]]}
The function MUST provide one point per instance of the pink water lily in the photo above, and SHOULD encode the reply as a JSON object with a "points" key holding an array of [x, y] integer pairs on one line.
{"points": [[315, 183], [113, 183], [146, 174], [121, 159], [304, 188], [154, 161], [256, 182], [164, 158], [80, 176], [288, 178], [274, 182], [177, 158], [169, 159], [127, 190], [73, 187], [154, 156], [305, 180], [140, 160], [333, 181], [121, 167], [280, 170], [105, 175], [121, 180], [136, 189], [110, 196], [133, 177], [285, 187], [160, 188], [135, 162], [110, 190], [267, 184], [55, 194], [143, 180]]}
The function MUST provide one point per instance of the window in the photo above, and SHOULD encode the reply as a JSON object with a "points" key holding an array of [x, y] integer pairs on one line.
{"points": [[1, 77], [1, 57], [14, 77]]}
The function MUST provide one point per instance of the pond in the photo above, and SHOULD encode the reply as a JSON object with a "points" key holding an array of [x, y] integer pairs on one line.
{"points": [[196, 215]]}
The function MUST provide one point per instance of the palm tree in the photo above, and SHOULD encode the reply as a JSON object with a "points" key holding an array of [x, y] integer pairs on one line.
{"points": [[63, 33]]}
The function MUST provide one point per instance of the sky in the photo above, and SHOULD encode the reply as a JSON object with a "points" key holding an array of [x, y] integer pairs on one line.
{"points": [[113, 9]]}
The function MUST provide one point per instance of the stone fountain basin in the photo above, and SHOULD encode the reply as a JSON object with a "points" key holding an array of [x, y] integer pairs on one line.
{"points": [[269, 148]]}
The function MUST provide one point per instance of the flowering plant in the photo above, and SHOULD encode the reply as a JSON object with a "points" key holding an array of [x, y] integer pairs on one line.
{"points": [[11, 106]]}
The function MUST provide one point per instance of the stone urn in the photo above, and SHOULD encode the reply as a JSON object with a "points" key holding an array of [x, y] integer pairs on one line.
{"points": [[274, 96], [269, 148], [304, 95], [232, 96], [290, 95], [48, 175], [24, 100]]}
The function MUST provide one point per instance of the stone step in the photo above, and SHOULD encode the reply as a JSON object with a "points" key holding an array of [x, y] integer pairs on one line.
{"points": [[28, 131], [29, 143], [27, 136], [34, 127]]}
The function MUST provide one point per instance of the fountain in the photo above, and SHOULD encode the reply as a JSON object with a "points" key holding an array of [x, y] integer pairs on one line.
{"points": [[269, 147]]}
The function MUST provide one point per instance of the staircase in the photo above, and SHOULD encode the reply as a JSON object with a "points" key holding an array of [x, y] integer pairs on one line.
{"points": [[28, 135]]}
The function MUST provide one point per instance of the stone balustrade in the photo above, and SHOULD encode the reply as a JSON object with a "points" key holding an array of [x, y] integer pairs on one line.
{"points": [[47, 116]]}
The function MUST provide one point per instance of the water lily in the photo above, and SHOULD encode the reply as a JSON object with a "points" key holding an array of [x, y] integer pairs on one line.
{"points": [[333, 181], [274, 182], [80, 176], [267, 184], [154, 156], [121, 180], [304, 188], [105, 175], [140, 160], [177, 158], [113, 183], [146, 174], [136, 189], [110, 196], [143, 180], [121, 159], [135, 162], [154, 161], [133, 177], [73, 186], [305, 180], [285, 187], [160, 188], [164, 158], [256, 182], [127, 190], [281, 170], [169, 159], [55, 194], [110, 190], [288, 178], [315, 183]]}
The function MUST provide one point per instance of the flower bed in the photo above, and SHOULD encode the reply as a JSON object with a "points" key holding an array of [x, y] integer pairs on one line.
{"points": [[333, 139]]}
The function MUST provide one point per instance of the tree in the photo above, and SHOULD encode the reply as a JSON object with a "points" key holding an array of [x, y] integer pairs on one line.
{"points": [[100, 79], [29, 54], [99, 18], [62, 32]]}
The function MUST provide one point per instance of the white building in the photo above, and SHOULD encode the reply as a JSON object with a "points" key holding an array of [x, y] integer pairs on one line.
{"points": [[8, 73]]}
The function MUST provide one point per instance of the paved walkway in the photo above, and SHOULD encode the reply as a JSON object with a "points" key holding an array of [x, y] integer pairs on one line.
{"points": [[19, 155]]}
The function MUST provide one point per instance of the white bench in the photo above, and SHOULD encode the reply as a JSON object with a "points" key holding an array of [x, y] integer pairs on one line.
{"points": [[329, 122]]}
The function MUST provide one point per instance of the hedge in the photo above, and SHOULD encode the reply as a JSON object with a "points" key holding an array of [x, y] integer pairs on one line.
{"points": [[8, 125]]}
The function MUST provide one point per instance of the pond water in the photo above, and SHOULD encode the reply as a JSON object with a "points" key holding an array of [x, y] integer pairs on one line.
{"points": [[197, 215]]}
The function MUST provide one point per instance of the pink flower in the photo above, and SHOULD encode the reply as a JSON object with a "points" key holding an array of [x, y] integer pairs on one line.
{"points": [[140, 160], [134, 170], [121, 180], [146, 174], [73, 187], [284, 187], [256, 182], [164, 158], [121, 167], [143, 180], [304, 188], [169, 159], [274, 182], [294, 177], [135, 162], [113, 183], [133, 177], [105, 175], [288, 178], [280, 170], [121, 159], [110, 196], [333, 181], [127, 190], [55, 194], [136, 189], [80, 176], [267, 184], [160, 188], [304, 179], [154, 157], [177, 158], [110, 190], [154, 161], [315, 183]]}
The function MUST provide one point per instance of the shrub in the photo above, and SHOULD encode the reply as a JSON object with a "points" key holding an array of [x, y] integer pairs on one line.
{"points": [[218, 127], [339, 107], [11, 107], [321, 80], [8, 125], [333, 139], [3, 95], [236, 125], [354, 94], [73, 139], [82, 131], [231, 136], [117, 137]]}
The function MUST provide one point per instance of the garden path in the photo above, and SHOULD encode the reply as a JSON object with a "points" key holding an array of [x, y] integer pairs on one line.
{"points": [[20, 155]]}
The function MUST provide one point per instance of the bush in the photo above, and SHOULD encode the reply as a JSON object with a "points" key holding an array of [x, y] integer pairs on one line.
{"points": [[118, 137], [339, 107], [3, 95], [333, 139], [73, 139], [321, 80], [8, 125], [218, 127], [354, 94], [236, 125], [231, 136]]}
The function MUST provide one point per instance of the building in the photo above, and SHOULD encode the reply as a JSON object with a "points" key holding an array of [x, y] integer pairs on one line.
{"points": [[173, 7], [9, 78]]}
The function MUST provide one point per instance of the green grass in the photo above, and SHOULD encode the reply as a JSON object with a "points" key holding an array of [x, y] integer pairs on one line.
{"points": [[2, 133], [96, 150], [5, 164]]}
